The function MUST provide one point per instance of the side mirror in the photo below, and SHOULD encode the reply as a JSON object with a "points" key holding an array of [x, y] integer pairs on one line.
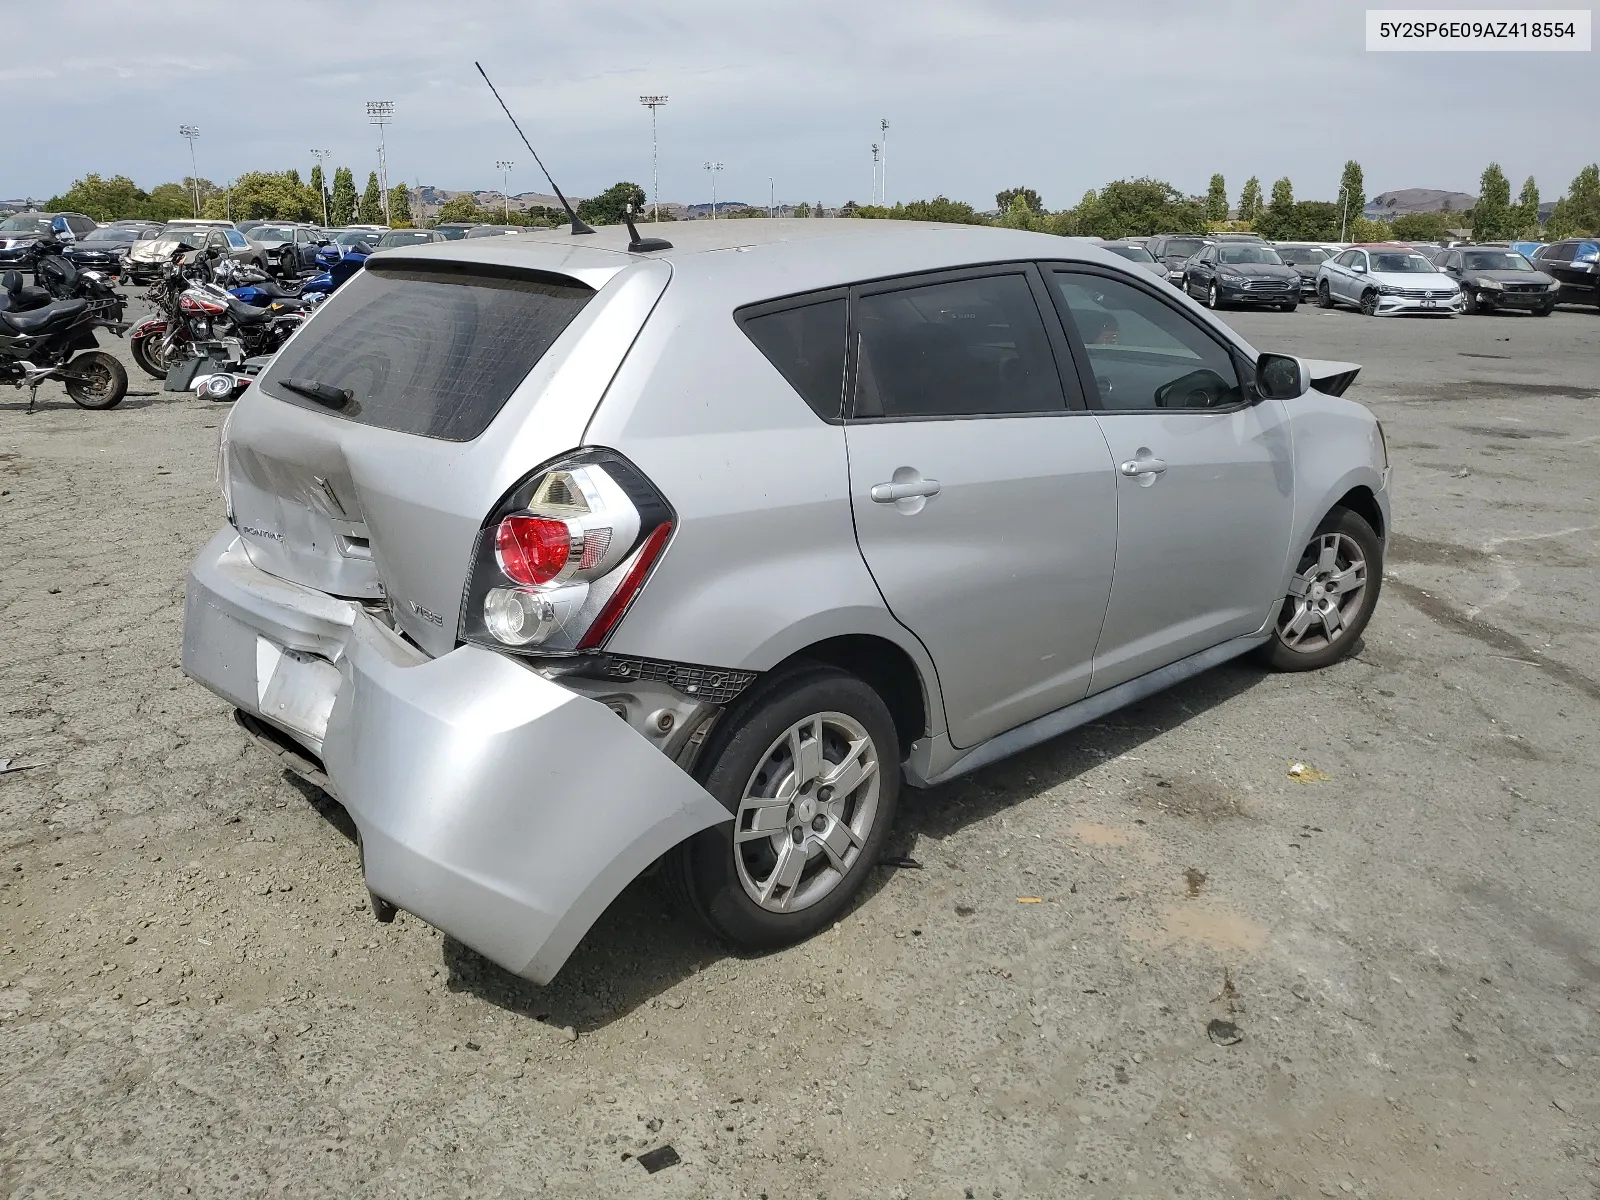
{"points": [[1281, 377]]}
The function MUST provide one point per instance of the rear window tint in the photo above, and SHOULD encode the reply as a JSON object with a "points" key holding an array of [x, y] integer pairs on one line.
{"points": [[433, 351], [807, 345]]}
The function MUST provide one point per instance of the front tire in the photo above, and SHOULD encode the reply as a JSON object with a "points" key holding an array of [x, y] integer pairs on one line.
{"points": [[1369, 303], [1213, 297], [1544, 310], [1331, 595], [1469, 302], [809, 767], [95, 380], [1324, 294], [141, 350]]}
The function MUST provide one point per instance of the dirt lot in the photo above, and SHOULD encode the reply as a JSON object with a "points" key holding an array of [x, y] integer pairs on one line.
{"points": [[195, 1001]]}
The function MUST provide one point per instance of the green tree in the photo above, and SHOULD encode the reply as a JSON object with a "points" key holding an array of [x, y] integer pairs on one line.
{"points": [[319, 191], [949, 212], [400, 207], [1352, 198], [1421, 227], [1491, 215], [1282, 194], [1250, 200], [104, 199], [169, 201], [804, 210], [1526, 217], [609, 206], [1301, 221], [372, 201], [460, 207], [1003, 199], [1578, 212], [1138, 207], [343, 202], [1217, 199], [266, 195], [1020, 215]]}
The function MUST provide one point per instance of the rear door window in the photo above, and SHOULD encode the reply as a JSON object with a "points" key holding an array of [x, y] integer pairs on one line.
{"points": [[962, 348], [433, 351]]}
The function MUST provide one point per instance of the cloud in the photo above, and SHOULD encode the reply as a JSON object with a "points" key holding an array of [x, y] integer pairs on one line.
{"points": [[982, 94]]}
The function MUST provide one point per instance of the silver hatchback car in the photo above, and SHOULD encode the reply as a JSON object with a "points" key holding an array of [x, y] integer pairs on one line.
{"points": [[553, 557]]}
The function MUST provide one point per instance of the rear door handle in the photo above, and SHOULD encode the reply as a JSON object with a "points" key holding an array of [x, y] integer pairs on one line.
{"points": [[888, 493], [1135, 467]]}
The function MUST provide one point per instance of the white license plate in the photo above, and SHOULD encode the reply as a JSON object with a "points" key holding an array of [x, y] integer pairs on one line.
{"points": [[1430, 304]]}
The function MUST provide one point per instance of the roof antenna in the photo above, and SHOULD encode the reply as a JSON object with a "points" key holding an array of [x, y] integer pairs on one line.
{"points": [[637, 243], [577, 225]]}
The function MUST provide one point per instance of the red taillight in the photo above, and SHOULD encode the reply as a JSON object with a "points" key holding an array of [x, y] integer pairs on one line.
{"points": [[532, 550], [628, 588]]}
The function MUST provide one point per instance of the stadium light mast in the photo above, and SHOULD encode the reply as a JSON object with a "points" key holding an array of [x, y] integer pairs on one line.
{"points": [[504, 166], [712, 168], [653, 103], [381, 113], [883, 170], [322, 157], [874, 192], [192, 132]]}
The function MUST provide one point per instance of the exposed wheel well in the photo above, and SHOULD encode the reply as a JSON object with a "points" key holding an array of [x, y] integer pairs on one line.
{"points": [[1364, 504], [884, 667]]}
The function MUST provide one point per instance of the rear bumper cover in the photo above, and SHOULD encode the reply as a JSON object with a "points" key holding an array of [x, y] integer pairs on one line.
{"points": [[502, 808]]}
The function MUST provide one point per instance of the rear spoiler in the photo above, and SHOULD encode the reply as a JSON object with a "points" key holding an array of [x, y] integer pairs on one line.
{"points": [[1331, 378]]}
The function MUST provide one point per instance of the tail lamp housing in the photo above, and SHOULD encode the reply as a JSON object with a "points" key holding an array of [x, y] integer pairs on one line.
{"points": [[562, 556]]}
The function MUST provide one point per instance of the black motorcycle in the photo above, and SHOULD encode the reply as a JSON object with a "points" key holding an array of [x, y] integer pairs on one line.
{"points": [[57, 341], [56, 277]]}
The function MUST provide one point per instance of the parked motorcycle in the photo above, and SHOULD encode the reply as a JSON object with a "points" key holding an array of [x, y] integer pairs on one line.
{"points": [[56, 277], [255, 287], [57, 341], [198, 319]]}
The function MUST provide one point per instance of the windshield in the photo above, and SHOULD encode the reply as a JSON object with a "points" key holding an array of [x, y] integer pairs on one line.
{"points": [[404, 237], [1396, 263], [351, 236], [1302, 256], [272, 233], [1132, 253], [435, 353], [1248, 254], [452, 233], [25, 225], [191, 239], [1495, 260], [121, 237], [1181, 247]]}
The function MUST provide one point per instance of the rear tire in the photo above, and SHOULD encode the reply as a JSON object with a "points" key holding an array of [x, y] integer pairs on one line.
{"points": [[1324, 294], [811, 756], [1331, 595], [95, 380]]}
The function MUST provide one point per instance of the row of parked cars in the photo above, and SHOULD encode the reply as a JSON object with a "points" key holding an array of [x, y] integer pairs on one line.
{"points": [[1378, 279], [136, 249]]}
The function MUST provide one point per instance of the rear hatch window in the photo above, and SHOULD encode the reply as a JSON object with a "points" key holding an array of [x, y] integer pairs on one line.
{"points": [[431, 350]]}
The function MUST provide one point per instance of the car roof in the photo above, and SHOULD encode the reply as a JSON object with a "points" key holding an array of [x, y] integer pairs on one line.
{"points": [[765, 258], [1381, 246]]}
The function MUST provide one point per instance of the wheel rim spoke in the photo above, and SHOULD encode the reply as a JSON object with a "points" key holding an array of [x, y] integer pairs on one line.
{"points": [[1349, 580], [805, 744], [1332, 620], [791, 865], [857, 767], [1298, 624], [1328, 557], [762, 819]]}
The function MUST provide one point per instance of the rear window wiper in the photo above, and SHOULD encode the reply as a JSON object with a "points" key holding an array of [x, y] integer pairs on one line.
{"points": [[322, 393]]}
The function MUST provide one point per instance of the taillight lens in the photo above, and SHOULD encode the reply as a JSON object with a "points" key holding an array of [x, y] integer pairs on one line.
{"points": [[563, 556], [532, 550]]}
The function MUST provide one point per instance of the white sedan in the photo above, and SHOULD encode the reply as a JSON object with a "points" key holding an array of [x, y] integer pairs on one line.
{"points": [[1384, 279]]}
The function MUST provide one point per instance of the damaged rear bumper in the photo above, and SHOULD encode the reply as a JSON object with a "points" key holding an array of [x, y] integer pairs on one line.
{"points": [[503, 808]]}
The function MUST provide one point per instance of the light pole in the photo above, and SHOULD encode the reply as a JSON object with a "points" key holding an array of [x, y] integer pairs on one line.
{"points": [[380, 113], [772, 204], [883, 170], [322, 159], [874, 192], [653, 103], [505, 165], [712, 168], [192, 132]]}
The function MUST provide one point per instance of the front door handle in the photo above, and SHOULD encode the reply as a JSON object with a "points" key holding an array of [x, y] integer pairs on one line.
{"points": [[888, 493], [1136, 467]]}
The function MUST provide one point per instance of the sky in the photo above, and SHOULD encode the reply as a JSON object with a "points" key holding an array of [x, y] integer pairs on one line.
{"points": [[1057, 95]]}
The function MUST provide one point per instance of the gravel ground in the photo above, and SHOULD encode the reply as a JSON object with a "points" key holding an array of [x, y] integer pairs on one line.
{"points": [[194, 999]]}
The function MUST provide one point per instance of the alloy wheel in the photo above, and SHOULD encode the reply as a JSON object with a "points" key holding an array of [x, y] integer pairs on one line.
{"points": [[806, 812], [1211, 296], [1324, 595], [1369, 304]]}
